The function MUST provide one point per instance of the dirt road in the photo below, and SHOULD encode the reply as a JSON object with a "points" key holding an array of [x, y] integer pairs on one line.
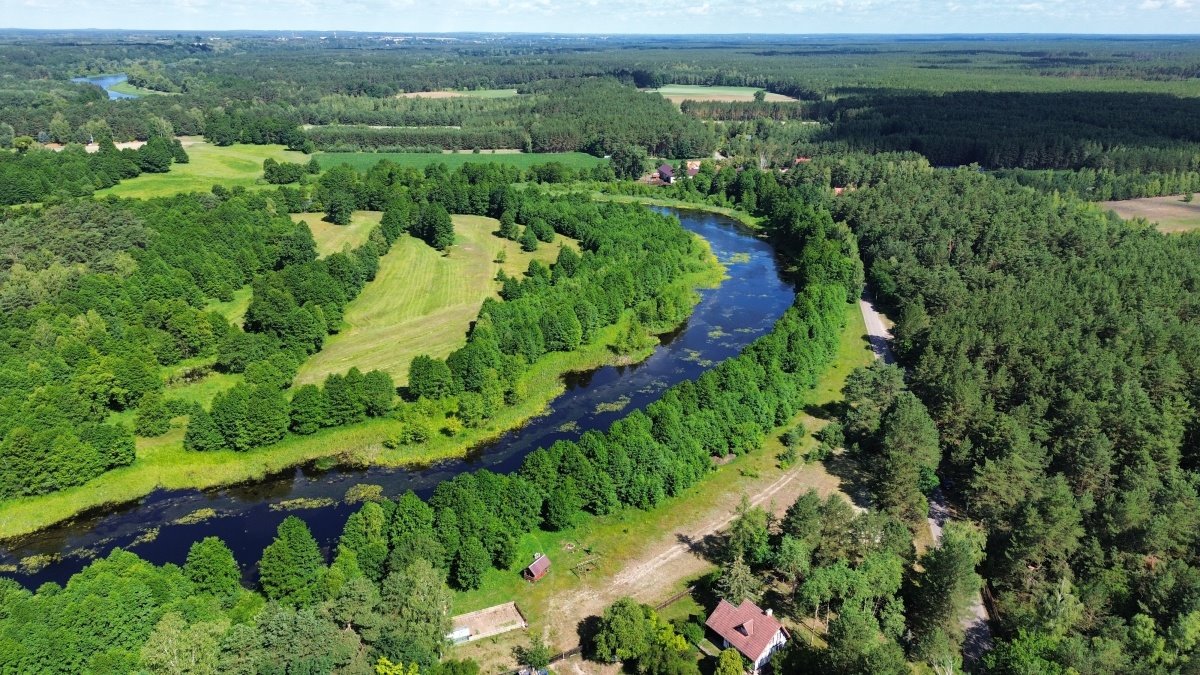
{"points": [[975, 623]]}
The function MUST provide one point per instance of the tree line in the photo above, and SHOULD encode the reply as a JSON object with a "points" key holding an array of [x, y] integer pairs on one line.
{"points": [[384, 594]]}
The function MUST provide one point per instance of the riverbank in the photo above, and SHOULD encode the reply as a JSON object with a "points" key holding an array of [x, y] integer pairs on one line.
{"points": [[649, 555], [163, 464]]}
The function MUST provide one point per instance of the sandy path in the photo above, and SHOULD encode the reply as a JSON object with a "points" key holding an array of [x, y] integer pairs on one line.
{"points": [[670, 557], [975, 623]]}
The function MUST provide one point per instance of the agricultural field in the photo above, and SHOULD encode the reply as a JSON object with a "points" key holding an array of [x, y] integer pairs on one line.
{"points": [[1169, 214], [232, 166], [678, 93], [365, 160], [422, 302], [332, 238], [469, 93]]}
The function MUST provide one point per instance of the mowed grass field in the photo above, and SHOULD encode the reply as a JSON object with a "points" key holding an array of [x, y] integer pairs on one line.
{"points": [[678, 93], [1169, 214], [422, 302], [419, 160], [332, 238], [232, 166]]}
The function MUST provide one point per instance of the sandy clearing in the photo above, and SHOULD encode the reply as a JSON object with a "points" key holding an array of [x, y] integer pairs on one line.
{"points": [[1170, 214]]}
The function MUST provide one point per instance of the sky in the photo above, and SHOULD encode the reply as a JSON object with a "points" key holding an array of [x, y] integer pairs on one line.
{"points": [[617, 16]]}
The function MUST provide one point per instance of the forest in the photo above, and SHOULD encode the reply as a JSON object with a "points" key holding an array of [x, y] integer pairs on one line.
{"points": [[1045, 390]]}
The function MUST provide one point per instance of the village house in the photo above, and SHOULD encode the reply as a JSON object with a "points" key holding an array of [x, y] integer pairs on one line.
{"points": [[750, 630], [666, 174]]}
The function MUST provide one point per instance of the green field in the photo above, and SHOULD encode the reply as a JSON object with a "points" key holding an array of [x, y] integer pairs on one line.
{"points": [[365, 160], [696, 92], [232, 166], [332, 238], [421, 302]]}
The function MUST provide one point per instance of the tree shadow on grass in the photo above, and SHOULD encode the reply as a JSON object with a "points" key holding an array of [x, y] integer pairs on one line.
{"points": [[587, 630], [711, 547], [855, 482], [832, 410]]}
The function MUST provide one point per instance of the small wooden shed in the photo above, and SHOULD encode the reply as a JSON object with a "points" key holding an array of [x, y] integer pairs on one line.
{"points": [[538, 568]]}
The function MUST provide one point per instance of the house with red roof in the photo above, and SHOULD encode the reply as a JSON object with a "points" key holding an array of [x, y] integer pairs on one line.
{"points": [[666, 173], [757, 634], [538, 568]]}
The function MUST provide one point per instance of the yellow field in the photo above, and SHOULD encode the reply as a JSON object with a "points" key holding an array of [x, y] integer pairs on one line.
{"points": [[332, 238], [1169, 214], [421, 302]]}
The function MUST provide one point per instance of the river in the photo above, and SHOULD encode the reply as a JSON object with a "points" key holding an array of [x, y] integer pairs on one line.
{"points": [[727, 318], [105, 82]]}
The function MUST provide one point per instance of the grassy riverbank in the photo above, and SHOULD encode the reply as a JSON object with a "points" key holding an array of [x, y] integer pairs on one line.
{"points": [[162, 463], [639, 553]]}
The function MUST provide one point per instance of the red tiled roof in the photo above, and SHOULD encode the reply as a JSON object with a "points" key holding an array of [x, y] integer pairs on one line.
{"points": [[539, 566], [746, 628]]}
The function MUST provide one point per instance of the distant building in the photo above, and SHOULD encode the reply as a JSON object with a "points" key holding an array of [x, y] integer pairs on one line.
{"points": [[538, 568], [750, 630], [666, 174]]}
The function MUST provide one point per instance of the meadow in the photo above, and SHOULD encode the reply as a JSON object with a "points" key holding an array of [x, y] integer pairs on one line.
{"points": [[421, 301], [419, 160], [332, 238], [162, 463], [1169, 214], [678, 93], [232, 166]]}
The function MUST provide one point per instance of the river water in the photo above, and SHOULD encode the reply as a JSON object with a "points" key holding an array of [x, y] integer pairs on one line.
{"points": [[106, 81], [744, 307]]}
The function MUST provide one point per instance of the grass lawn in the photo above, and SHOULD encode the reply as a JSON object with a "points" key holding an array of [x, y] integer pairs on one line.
{"points": [[332, 238], [421, 302], [678, 93], [610, 546], [232, 166], [365, 160], [1169, 214]]}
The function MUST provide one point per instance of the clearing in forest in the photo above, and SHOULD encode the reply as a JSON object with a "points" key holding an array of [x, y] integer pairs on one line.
{"points": [[332, 238], [678, 93], [472, 93], [421, 302], [232, 166], [1169, 214]]}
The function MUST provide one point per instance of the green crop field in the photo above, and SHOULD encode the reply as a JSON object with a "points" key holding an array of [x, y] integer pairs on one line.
{"points": [[332, 238], [232, 166], [421, 302], [695, 92], [365, 160]]}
